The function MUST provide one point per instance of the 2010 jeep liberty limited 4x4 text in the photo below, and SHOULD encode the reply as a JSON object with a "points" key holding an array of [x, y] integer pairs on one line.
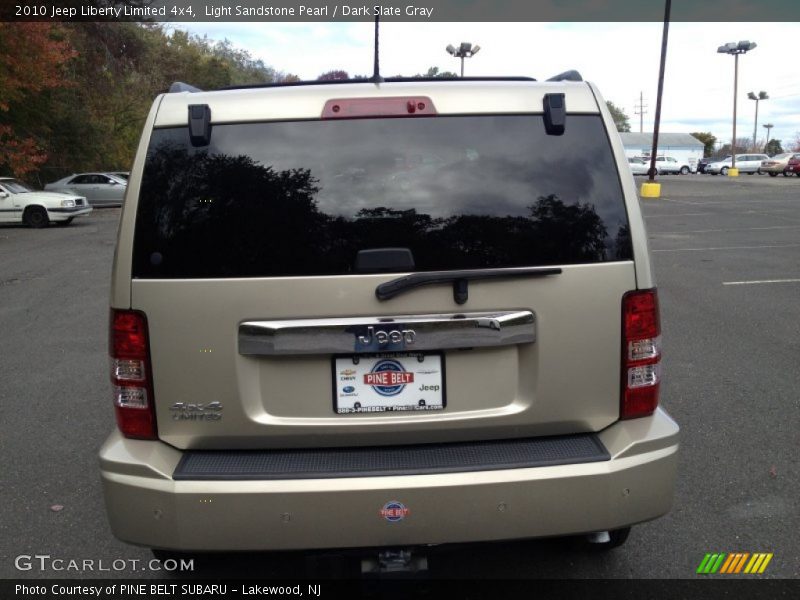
{"points": [[383, 315]]}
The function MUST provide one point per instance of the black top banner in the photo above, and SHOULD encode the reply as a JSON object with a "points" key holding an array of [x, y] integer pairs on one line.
{"points": [[398, 10]]}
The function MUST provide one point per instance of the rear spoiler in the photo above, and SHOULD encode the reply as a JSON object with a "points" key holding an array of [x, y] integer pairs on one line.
{"points": [[571, 75], [179, 86]]}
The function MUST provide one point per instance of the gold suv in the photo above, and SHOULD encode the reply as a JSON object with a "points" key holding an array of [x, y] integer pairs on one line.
{"points": [[393, 314]]}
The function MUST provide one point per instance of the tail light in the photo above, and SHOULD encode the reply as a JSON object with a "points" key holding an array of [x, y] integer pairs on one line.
{"points": [[641, 354], [130, 374]]}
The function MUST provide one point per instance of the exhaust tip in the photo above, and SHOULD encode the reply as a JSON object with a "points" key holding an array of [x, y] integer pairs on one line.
{"points": [[598, 537]]}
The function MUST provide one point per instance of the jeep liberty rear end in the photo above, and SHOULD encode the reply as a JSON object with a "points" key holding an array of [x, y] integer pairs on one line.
{"points": [[381, 315]]}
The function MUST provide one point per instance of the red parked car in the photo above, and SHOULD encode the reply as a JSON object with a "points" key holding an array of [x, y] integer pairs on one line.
{"points": [[793, 165]]}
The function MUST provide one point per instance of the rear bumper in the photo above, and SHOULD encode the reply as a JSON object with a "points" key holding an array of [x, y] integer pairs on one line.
{"points": [[146, 506]]}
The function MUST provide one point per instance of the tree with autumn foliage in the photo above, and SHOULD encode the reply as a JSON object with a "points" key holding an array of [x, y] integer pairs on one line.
{"points": [[75, 96], [32, 61]]}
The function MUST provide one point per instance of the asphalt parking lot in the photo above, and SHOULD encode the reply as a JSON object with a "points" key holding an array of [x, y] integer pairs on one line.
{"points": [[727, 261]]}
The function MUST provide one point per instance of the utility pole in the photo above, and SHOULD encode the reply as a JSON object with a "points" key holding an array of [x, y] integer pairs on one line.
{"points": [[639, 109], [761, 96], [735, 49], [767, 126]]}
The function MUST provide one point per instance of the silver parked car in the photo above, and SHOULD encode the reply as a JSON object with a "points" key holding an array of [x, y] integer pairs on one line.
{"points": [[778, 164], [746, 163], [99, 188]]}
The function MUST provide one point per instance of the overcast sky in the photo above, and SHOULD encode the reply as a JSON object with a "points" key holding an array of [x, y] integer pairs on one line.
{"points": [[622, 58]]}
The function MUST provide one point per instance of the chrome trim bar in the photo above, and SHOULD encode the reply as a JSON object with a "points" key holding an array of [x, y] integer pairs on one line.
{"points": [[406, 333]]}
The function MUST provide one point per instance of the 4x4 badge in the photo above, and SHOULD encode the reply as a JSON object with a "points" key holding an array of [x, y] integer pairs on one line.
{"points": [[395, 336], [191, 411]]}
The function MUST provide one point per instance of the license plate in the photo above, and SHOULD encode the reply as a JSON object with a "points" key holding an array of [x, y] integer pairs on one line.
{"points": [[389, 382]]}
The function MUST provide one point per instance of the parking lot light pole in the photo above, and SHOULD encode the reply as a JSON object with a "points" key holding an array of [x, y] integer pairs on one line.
{"points": [[735, 49], [762, 95], [767, 126], [465, 50]]}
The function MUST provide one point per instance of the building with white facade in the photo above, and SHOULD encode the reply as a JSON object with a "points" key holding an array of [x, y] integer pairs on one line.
{"points": [[683, 147]]}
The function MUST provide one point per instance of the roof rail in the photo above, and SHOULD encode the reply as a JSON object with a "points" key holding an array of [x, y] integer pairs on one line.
{"points": [[571, 75], [366, 80], [179, 86]]}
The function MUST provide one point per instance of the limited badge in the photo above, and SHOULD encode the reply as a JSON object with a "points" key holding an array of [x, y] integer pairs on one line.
{"points": [[394, 511]]}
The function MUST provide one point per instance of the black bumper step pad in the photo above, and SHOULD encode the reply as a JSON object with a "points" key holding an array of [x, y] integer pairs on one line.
{"points": [[382, 461]]}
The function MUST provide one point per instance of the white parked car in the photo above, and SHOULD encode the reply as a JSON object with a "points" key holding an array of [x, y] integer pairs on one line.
{"points": [[671, 165], [99, 188], [746, 163], [638, 166], [21, 204]]}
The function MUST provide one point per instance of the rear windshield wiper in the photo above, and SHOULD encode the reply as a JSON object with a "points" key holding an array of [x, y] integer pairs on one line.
{"points": [[459, 279]]}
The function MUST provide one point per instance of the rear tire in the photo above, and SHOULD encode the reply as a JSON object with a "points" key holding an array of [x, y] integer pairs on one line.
{"points": [[35, 217], [618, 537], [785, 173], [775, 174]]}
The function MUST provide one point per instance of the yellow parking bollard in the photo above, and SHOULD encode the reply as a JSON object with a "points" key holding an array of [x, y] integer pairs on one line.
{"points": [[651, 190], [733, 172]]}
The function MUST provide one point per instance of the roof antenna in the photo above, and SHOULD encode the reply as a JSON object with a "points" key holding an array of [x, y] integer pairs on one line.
{"points": [[376, 74]]}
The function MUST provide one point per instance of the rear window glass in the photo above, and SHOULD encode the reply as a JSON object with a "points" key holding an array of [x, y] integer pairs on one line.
{"points": [[303, 198]]}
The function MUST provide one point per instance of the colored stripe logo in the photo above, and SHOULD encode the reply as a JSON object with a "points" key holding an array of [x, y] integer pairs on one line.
{"points": [[734, 563]]}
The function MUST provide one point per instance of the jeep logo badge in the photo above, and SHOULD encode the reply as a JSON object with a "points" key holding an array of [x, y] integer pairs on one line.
{"points": [[395, 336]]}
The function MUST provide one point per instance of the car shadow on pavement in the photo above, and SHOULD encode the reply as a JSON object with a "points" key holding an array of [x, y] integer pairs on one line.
{"points": [[526, 559]]}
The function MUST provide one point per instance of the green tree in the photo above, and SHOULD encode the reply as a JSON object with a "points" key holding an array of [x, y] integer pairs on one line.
{"points": [[435, 72], [773, 147], [708, 139], [619, 116], [335, 75]]}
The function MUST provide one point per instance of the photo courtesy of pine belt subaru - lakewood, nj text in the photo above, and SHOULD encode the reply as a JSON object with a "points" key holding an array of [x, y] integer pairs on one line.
{"points": [[375, 315]]}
